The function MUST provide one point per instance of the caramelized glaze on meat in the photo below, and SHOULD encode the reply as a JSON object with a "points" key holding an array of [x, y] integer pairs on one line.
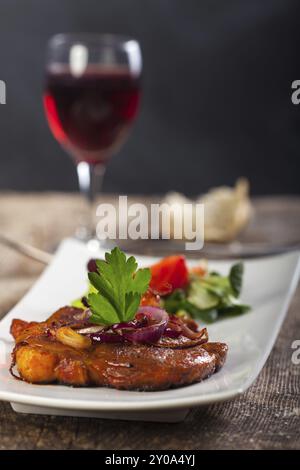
{"points": [[40, 358]]}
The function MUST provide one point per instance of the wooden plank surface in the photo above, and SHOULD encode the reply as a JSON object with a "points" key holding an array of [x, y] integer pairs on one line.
{"points": [[267, 416]]}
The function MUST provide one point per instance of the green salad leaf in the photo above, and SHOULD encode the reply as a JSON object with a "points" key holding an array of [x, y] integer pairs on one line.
{"points": [[202, 296], [118, 287], [210, 297], [236, 278]]}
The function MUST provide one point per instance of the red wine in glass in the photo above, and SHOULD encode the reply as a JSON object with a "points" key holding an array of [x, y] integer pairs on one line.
{"points": [[90, 115], [91, 98]]}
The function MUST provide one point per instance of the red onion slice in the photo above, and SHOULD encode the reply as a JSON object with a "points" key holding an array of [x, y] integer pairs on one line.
{"points": [[151, 333], [186, 331], [134, 331], [92, 265], [160, 329], [128, 324], [152, 313], [106, 337], [147, 334], [171, 332]]}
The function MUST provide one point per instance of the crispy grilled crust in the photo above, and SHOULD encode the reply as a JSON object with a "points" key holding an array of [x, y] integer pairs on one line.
{"points": [[40, 358]]}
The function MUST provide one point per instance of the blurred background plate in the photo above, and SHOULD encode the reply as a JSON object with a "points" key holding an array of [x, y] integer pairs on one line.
{"points": [[273, 228]]}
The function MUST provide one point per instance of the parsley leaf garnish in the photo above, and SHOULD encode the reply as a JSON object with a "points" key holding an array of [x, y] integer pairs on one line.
{"points": [[119, 287]]}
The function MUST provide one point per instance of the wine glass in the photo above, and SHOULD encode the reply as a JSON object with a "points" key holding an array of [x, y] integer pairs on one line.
{"points": [[91, 98]]}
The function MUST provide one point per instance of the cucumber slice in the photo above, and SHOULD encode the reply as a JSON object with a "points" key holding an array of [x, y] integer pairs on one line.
{"points": [[201, 297]]}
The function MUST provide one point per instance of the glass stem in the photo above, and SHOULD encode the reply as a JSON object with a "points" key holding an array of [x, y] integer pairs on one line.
{"points": [[90, 179]]}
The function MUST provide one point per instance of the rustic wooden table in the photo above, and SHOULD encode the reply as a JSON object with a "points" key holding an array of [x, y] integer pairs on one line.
{"points": [[267, 416]]}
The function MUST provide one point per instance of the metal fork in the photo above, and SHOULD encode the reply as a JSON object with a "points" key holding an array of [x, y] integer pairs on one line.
{"points": [[27, 250]]}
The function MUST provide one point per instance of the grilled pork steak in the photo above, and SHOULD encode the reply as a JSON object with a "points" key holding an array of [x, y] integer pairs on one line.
{"points": [[41, 358]]}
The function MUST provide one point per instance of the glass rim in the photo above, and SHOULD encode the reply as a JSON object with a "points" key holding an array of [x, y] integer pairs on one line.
{"points": [[100, 39]]}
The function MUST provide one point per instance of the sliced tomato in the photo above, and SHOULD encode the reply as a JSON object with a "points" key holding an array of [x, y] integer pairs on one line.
{"points": [[171, 271]]}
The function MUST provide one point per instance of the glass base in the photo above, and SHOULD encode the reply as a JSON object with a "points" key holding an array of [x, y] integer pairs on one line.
{"points": [[92, 243]]}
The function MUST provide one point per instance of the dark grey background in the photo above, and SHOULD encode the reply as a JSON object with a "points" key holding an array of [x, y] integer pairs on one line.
{"points": [[216, 103]]}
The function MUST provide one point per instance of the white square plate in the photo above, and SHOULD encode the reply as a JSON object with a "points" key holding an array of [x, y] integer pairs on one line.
{"points": [[269, 284]]}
